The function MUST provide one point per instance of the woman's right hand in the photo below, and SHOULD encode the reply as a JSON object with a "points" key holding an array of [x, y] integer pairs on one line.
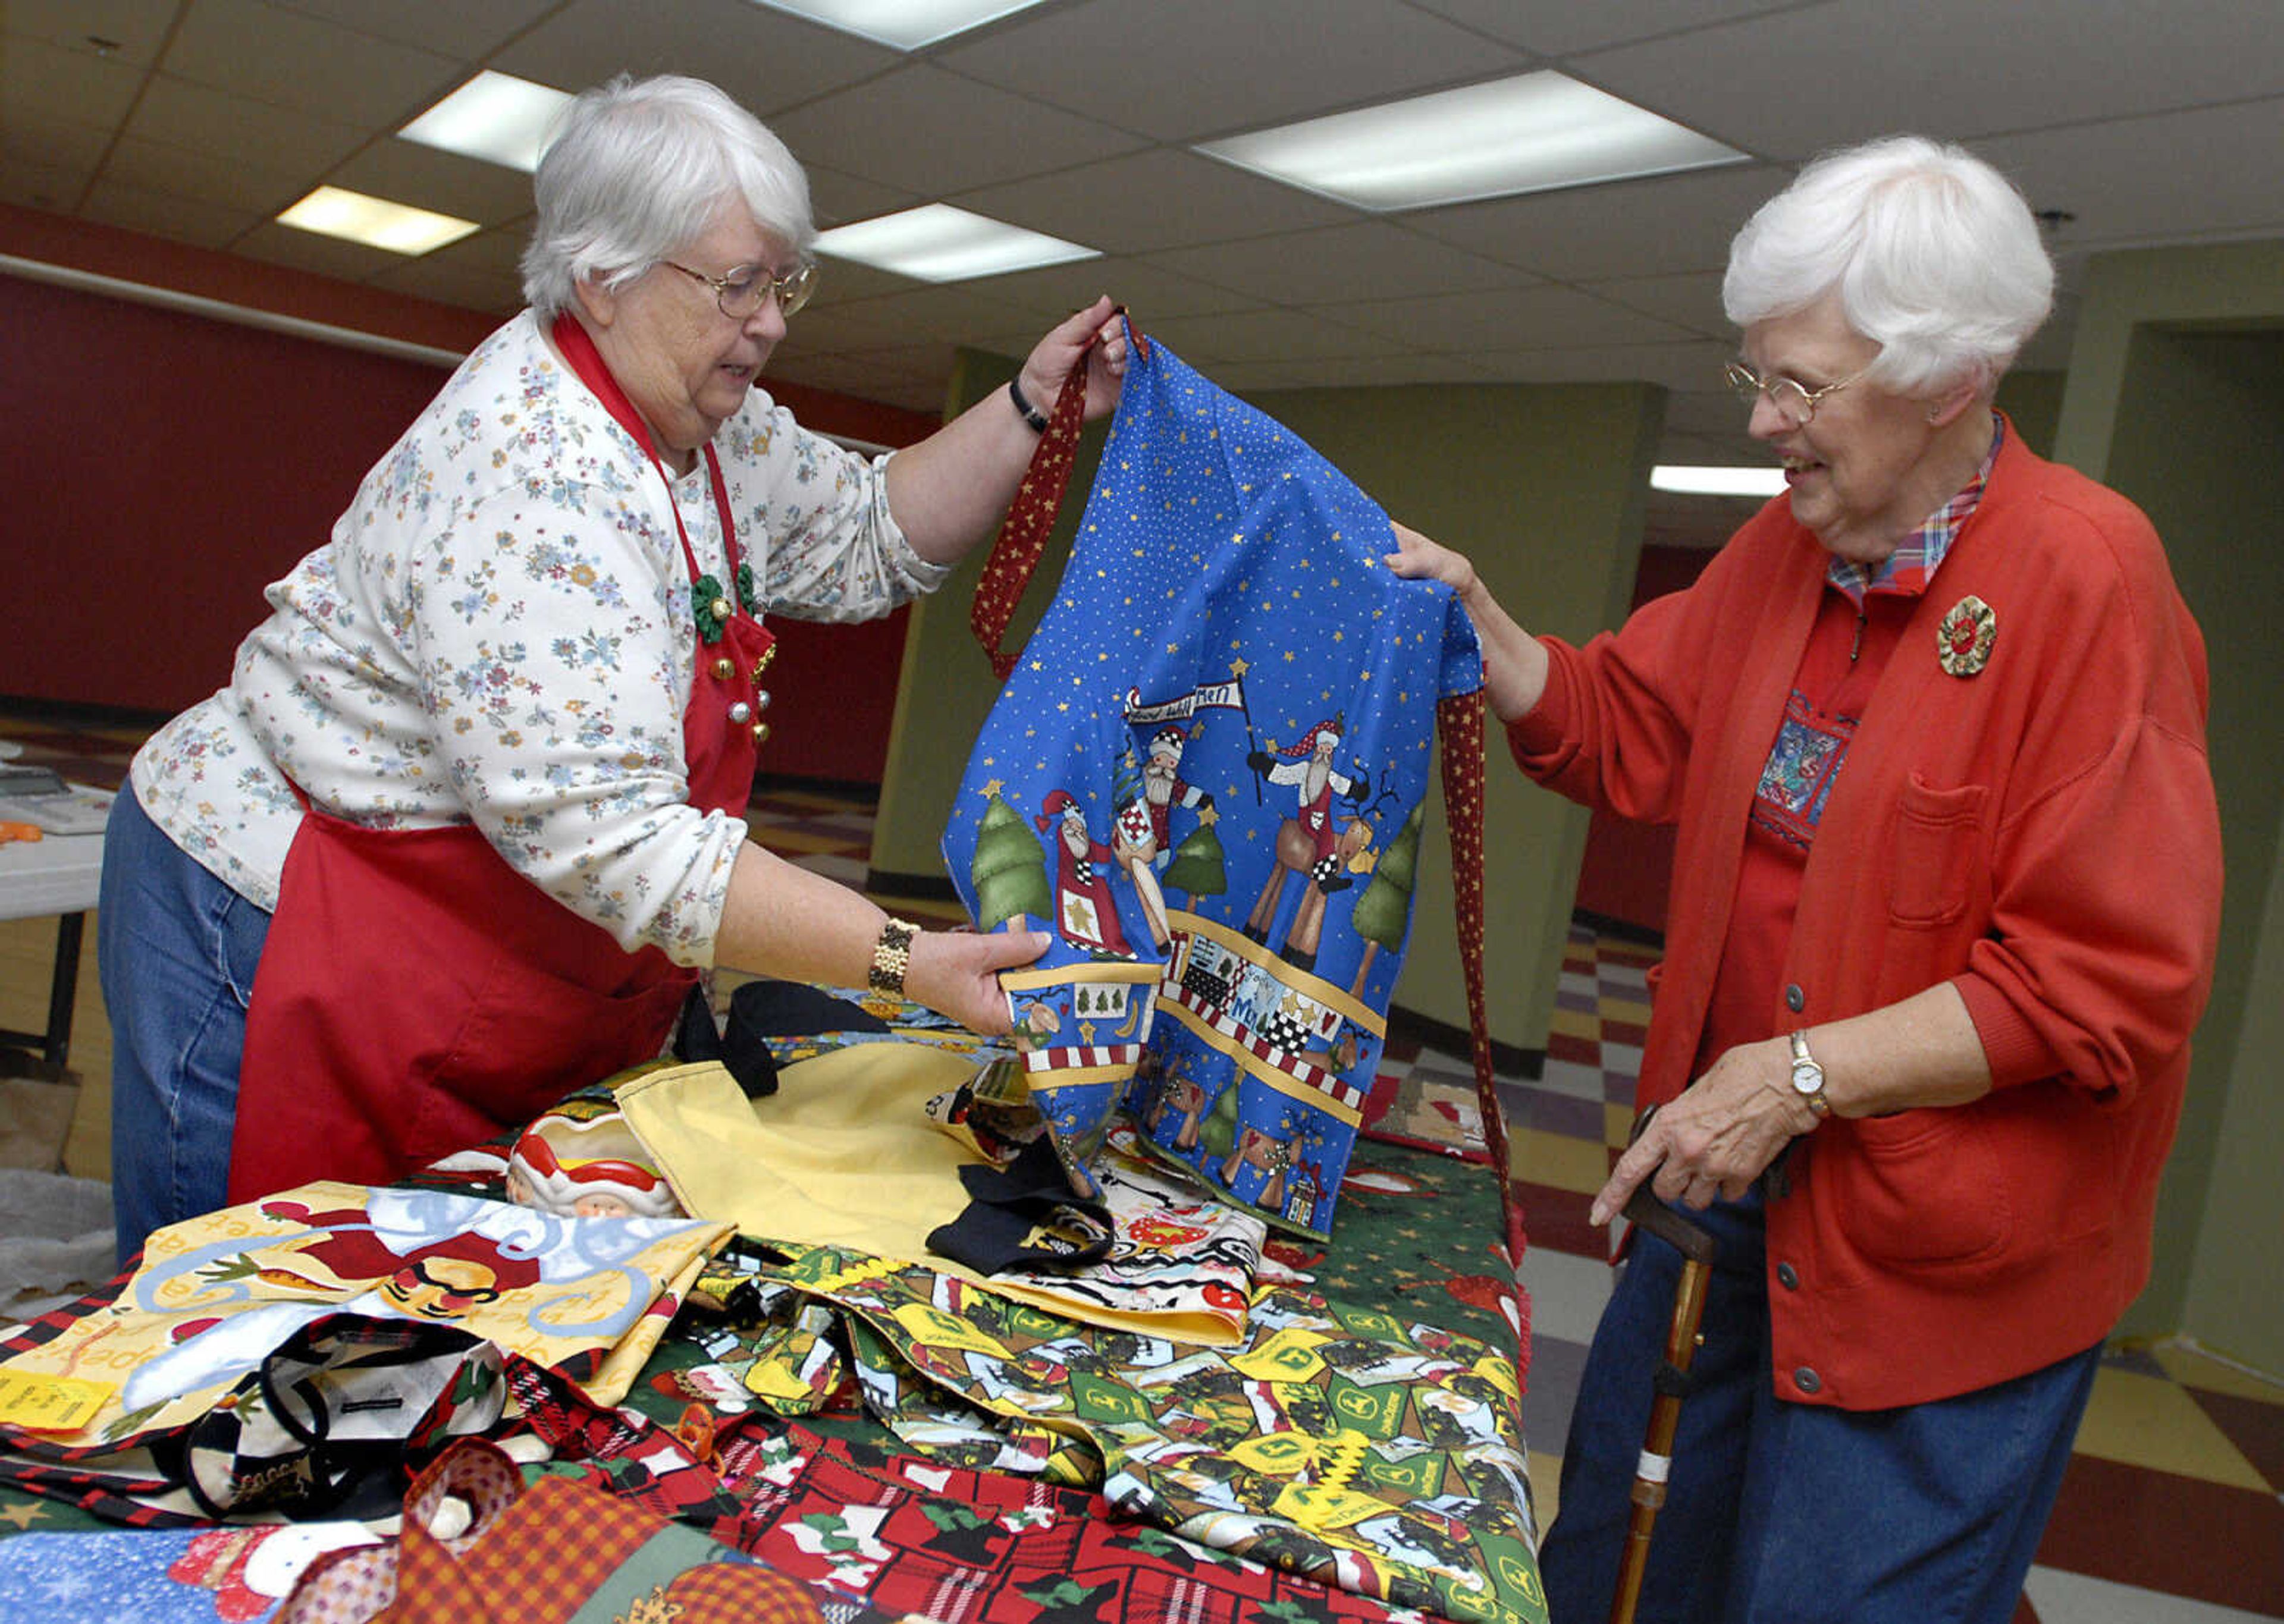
{"points": [[1416, 558], [1514, 664], [957, 973]]}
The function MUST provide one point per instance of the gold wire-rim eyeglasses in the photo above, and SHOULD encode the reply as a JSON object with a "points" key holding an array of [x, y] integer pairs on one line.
{"points": [[1794, 400], [742, 292]]}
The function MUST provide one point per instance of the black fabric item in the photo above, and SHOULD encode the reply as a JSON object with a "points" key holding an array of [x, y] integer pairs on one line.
{"points": [[741, 1051], [1024, 1215], [989, 1239]]}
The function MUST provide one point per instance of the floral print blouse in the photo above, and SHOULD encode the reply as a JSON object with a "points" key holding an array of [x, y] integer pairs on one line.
{"points": [[500, 633]]}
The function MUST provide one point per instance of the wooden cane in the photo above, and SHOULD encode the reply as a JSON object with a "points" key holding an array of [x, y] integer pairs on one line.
{"points": [[1645, 1211]]}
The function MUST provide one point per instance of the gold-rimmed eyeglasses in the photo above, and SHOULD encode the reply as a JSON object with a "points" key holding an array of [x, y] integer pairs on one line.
{"points": [[740, 293], [1794, 400]]}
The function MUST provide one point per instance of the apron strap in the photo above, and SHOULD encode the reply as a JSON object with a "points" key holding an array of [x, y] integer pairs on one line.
{"points": [[1459, 734], [1023, 536]]}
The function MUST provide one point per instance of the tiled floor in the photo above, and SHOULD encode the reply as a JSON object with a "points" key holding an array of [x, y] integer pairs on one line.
{"points": [[2171, 1513]]}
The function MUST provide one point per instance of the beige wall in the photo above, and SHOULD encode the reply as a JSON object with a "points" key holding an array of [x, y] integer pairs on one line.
{"points": [[2176, 398], [1541, 484]]}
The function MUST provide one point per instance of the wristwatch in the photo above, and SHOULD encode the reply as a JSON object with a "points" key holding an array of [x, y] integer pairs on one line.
{"points": [[1808, 1077]]}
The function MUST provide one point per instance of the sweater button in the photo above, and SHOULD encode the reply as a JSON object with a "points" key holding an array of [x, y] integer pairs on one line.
{"points": [[1807, 1380], [741, 713], [1788, 1276], [1795, 1000]]}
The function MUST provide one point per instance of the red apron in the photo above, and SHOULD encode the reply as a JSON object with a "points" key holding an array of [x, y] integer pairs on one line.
{"points": [[417, 995]]}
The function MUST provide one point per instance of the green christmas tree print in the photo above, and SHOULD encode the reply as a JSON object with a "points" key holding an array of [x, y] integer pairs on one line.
{"points": [[1010, 869]]}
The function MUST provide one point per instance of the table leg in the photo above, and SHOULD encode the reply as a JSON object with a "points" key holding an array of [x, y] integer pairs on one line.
{"points": [[63, 991]]}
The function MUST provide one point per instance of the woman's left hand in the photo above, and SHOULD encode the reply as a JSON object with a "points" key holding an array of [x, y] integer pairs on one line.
{"points": [[1718, 1137], [957, 973], [1101, 325]]}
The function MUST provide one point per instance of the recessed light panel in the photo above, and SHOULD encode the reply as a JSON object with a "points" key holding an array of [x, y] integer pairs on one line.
{"points": [[1694, 482], [496, 117], [905, 24], [939, 243], [1534, 133], [374, 221]]}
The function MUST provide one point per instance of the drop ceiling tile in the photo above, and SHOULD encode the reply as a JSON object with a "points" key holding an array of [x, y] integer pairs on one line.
{"points": [[1659, 225], [1943, 67], [198, 119], [54, 143], [1538, 317], [1692, 300], [1340, 263], [179, 219], [1154, 200], [1149, 292], [470, 287], [838, 330], [1376, 371], [207, 177], [836, 198], [39, 81], [947, 311], [499, 250], [1674, 367], [929, 131], [1282, 336], [2170, 177], [138, 27], [1559, 30], [1186, 70], [27, 183], [327, 256], [429, 177], [268, 54], [839, 281], [457, 27], [1253, 378], [769, 61]]}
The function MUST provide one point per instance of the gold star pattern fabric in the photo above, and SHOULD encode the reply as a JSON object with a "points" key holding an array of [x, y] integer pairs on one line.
{"points": [[1207, 775]]}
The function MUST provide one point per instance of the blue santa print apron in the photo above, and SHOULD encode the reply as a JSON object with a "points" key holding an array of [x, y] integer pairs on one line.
{"points": [[1205, 775]]}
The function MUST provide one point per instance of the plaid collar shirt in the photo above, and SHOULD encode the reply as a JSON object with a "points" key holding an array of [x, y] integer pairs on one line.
{"points": [[1906, 571]]}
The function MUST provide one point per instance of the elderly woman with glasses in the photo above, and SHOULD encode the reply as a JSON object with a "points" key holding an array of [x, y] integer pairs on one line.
{"points": [[1946, 892], [467, 820]]}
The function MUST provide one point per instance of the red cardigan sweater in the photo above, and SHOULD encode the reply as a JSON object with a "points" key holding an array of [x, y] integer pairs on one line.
{"points": [[2042, 834]]}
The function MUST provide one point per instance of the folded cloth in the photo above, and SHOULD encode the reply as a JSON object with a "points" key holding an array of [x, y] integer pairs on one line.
{"points": [[844, 1155], [560, 1550]]}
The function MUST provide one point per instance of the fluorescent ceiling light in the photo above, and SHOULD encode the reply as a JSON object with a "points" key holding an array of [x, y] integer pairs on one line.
{"points": [[1534, 133], [905, 24], [1717, 481], [374, 221], [494, 117], [939, 243]]}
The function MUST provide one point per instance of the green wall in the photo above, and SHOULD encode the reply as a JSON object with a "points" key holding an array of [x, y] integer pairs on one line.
{"points": [[1542, 485], [2176, 398]]}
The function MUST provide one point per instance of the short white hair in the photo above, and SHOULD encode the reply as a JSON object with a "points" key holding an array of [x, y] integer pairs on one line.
{"points": [[1933, 253], [636, 172]]}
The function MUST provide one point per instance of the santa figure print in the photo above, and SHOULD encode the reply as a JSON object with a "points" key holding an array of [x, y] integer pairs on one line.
{"points": [[1085, 911]]}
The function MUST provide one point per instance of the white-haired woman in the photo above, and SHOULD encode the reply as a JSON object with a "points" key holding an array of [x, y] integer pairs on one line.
{"points": [[456, 836], [1945, 898]]}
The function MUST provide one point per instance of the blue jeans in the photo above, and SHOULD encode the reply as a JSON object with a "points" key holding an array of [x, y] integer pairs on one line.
{"points": [[1786, 1513], [177, 951]]}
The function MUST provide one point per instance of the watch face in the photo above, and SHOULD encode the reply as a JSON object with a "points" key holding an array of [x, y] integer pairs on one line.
{"points": [[1807, 1077]]}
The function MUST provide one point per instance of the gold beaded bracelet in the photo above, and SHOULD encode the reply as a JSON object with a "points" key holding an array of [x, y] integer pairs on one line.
{"points": [[892, 956]]}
